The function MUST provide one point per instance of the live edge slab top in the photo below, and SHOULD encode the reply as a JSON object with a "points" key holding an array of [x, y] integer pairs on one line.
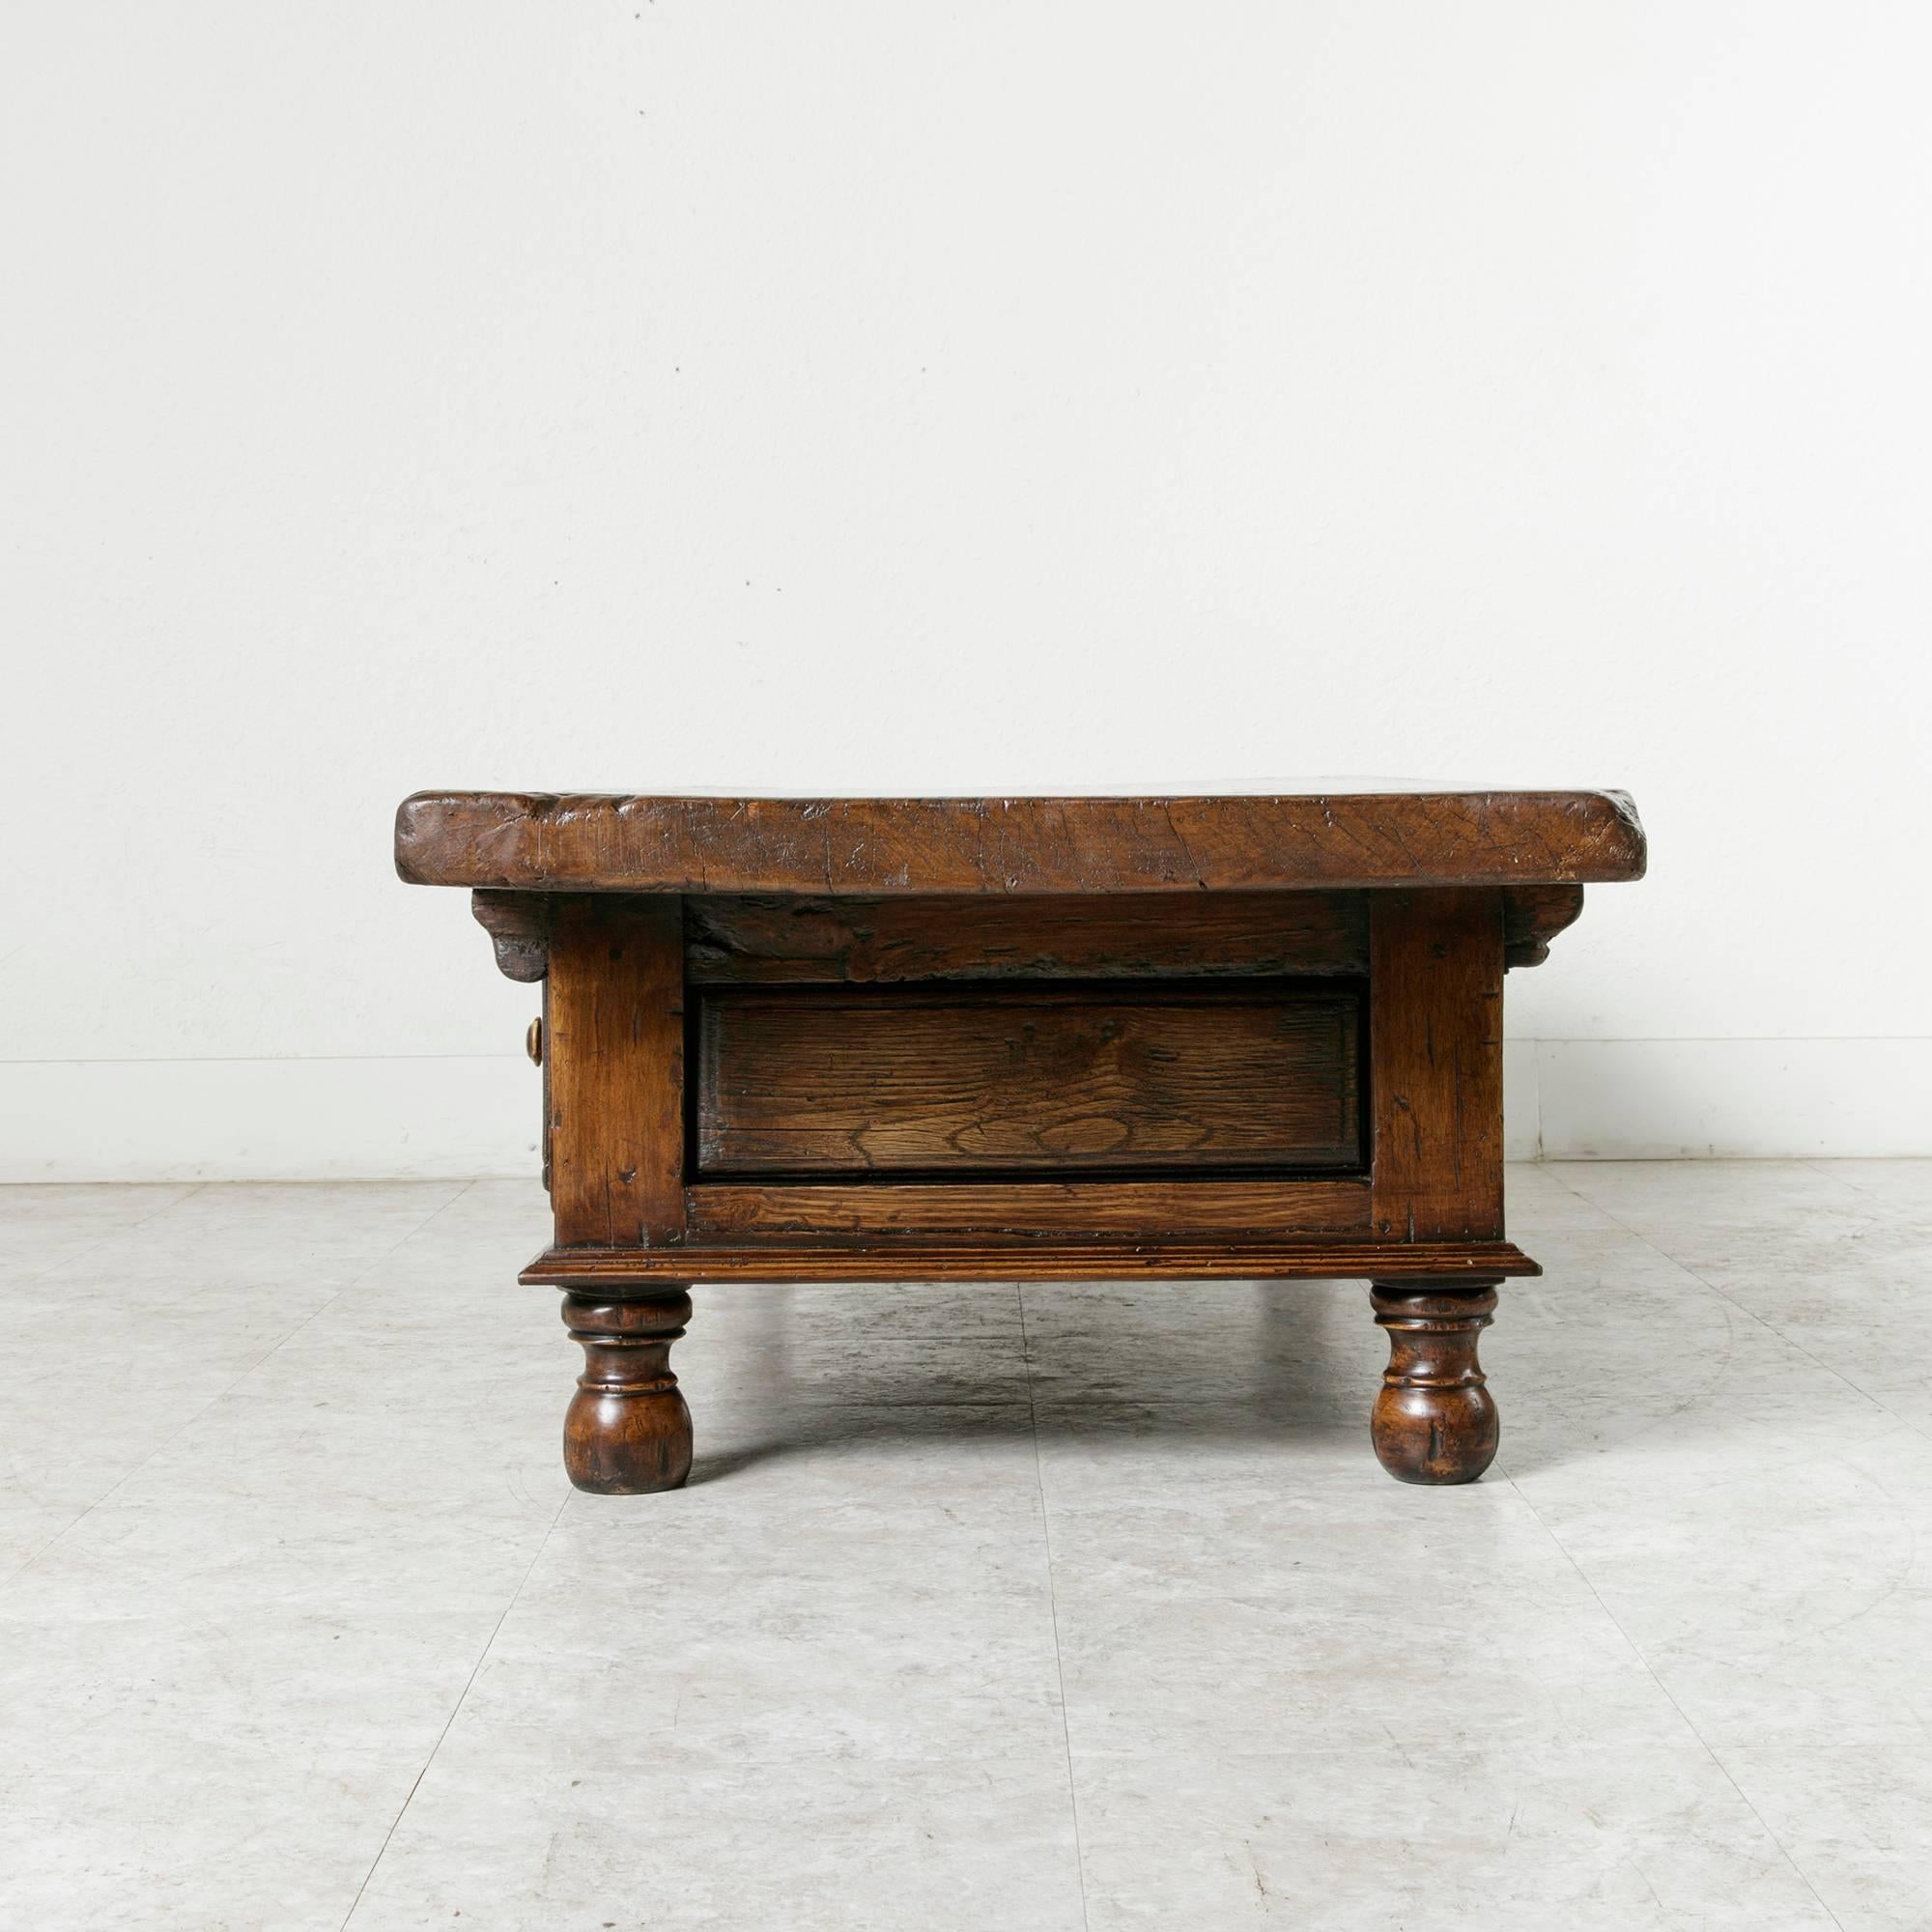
{"points": [[1022, 1039]]}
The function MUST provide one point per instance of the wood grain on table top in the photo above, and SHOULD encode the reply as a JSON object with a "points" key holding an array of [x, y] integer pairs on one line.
{"points": [[1231, 842]]}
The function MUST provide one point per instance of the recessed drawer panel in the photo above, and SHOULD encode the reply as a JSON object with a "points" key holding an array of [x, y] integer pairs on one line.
{"points": [[934, 1080]]}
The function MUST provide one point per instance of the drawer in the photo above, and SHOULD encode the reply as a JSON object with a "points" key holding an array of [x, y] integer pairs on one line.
{"points": [[1091, 1079]]}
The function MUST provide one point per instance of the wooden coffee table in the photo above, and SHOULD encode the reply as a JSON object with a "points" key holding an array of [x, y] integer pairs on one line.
{"points": [[1022, 1039]]}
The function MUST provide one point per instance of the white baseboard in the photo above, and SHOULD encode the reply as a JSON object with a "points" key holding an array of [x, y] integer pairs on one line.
{"points": [[434, 1119], [269, 1120], [1675, 1099]]}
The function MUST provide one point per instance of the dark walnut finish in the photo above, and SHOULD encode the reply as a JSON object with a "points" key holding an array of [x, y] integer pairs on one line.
{"points": [[916, 1080], [1434, 1421], [1022, 1039], [763, 940], [627, 1431]]}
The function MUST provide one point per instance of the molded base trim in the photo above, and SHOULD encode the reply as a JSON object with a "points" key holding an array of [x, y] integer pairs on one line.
{"points": [[612, 1271]]}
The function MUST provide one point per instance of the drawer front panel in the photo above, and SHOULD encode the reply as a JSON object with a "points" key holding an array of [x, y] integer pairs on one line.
{"points": [[935, 1081]]}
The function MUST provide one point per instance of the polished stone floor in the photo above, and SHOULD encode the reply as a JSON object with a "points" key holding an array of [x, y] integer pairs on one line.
{"points": [[1081, 1607]]}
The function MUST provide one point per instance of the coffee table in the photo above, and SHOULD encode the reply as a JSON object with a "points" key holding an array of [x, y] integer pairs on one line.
{"points": [[1022, 1039]]}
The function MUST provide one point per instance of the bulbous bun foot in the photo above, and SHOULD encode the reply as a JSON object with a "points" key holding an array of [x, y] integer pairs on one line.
{"points": [[1433, 1420], [627, 1431]]}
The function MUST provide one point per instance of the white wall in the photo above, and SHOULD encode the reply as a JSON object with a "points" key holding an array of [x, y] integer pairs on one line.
{"points": [[892, 397]]}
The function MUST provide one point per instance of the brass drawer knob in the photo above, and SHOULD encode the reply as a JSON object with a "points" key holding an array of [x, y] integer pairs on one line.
{"points": [[533, 1042]]}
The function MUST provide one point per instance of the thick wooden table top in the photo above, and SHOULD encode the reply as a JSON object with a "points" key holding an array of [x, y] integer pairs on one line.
{"points": [[1332, 836]]}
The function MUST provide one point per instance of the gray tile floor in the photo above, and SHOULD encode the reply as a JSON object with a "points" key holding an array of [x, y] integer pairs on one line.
{"points": [[1082, 1607]]}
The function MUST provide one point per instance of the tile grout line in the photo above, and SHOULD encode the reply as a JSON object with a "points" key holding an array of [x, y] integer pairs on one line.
{"points": [[1616, 1623], [1820, 1164], [1751, 1314], [35, 1279], [1703, 1744], [1052, 1605], [1878, 1201], [223, 1393], [456, 1709], [1731, 1302], [1790, 1341], [349, 1286], [189, 1190]]}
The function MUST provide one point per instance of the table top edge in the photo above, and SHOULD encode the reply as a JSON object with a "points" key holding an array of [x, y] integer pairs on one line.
{"points": [[1017, 844]]}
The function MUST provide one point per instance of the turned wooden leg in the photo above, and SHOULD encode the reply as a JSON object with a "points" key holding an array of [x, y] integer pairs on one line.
{"points": [[627, 1431], [1434, 1421]]}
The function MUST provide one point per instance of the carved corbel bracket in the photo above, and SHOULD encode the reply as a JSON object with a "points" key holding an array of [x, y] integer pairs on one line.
{"points": [[1532, 917], [519, 926]]}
